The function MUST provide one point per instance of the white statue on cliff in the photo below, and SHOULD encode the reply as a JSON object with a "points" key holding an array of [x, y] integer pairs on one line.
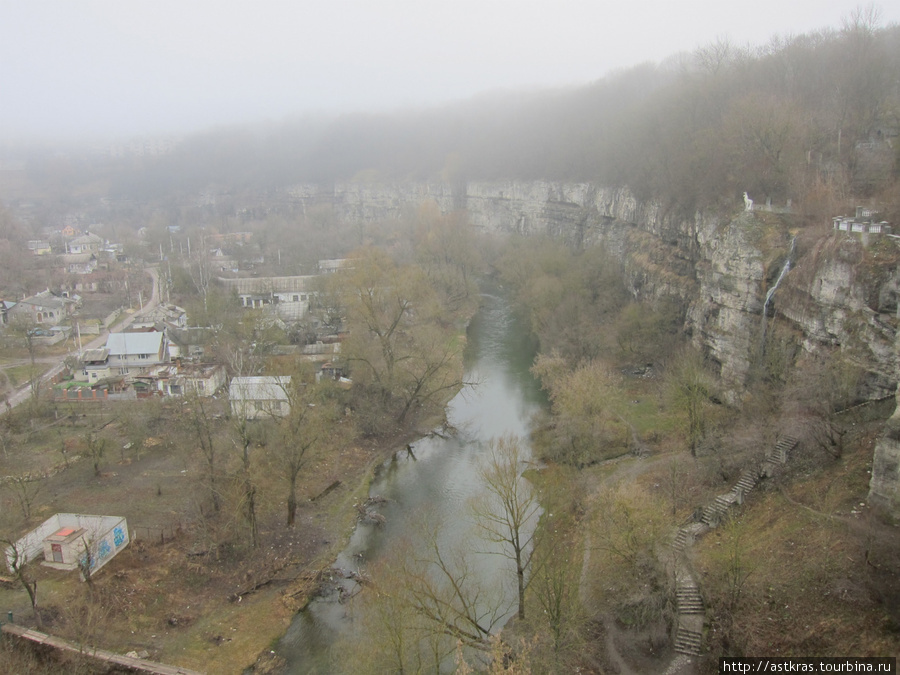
{"points": [[748, 203]]}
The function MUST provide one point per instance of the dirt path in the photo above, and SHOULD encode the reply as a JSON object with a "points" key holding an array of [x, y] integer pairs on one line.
{"points": [[627, 470]]}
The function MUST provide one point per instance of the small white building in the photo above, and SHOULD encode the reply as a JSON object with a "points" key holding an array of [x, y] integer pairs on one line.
{"points": [[862, 223], [67, 539], [260, 397]]}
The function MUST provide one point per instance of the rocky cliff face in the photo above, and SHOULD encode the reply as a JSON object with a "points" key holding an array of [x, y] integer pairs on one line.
{"points": [[840, 294], [721, 268]]}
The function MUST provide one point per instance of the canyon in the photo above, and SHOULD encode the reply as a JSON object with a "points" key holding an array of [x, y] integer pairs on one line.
{"points": [[838, 294]]}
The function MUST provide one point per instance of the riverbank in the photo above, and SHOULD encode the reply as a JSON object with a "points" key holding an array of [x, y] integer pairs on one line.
{"points": [[187, 591]]}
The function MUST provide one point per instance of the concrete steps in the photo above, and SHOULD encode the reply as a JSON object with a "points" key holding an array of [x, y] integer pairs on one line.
{"points": [[784, 445], [748, 480], [689, 600], [688, 641], [714, 511], [681, 539]]}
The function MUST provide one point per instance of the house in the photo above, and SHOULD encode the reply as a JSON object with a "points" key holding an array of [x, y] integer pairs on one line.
{"points": [[68, 232], [290, 296], [133, 353], [78, 263], [260, 397], [5, 307], [330, 371], [39, 247], [862, 223], [86, 243], [334, 265], [93, 366], [188, 342], [180, 380], [42, 308], [162, 316], [68, 539]]}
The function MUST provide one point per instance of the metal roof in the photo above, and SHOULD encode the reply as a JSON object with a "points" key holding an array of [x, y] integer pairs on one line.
{"points": [[261, 388], [120, 344]]}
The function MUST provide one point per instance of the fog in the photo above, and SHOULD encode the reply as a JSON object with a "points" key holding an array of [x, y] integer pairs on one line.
{"points": [[99, 69]]}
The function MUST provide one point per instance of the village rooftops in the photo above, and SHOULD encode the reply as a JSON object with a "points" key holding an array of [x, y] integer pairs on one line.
{"points": [[123, 344], [95, 355], [256, 397], [45, 299], [260, 285], [260, 388]]}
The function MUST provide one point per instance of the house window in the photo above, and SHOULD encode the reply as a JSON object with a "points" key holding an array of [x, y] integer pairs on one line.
{"points": [[123, 371], [143, 356], [296, 298]]}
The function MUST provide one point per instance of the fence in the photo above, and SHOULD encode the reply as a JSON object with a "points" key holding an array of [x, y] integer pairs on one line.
{"points": [[81, 395], [155, 534]]}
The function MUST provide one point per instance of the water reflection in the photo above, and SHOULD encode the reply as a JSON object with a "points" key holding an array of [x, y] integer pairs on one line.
{"points": [[441, 478]]}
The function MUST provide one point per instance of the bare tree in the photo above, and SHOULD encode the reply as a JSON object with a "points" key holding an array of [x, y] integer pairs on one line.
{"points": [[509, 511], [689, 391], [736, 563], [555, 577], [18, 565], [584, 425], [442, 588], [243, 441], [25, 328], [25, 488], [86, 563], [819, 392], [309, 425], [399, 348], [199, 420], [96, 448]]}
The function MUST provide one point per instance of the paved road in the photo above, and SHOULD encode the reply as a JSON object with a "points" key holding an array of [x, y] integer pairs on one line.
{"points": [[23, 393]]}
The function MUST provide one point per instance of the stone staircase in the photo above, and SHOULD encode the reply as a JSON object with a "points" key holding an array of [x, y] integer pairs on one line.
{"points": [[690, 608], [688, 641], [747, 481], [688, 598], [714, 511]]}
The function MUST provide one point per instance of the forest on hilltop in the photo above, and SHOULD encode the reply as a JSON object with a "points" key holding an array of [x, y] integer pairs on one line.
{"points": [[811, 118]]}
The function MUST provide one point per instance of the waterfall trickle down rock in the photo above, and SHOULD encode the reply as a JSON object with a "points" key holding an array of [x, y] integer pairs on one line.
{"points": [[771, 292]]}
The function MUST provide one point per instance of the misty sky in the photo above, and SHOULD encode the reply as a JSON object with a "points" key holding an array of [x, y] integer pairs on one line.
{"points": [[130, 67]]}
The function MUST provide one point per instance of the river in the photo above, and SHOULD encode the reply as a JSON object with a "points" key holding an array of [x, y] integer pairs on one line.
{"points": [[441, 477]]}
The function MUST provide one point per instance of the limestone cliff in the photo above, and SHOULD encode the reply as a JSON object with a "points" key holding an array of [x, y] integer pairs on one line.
{"points": [[722, 268], [841, 292]]}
